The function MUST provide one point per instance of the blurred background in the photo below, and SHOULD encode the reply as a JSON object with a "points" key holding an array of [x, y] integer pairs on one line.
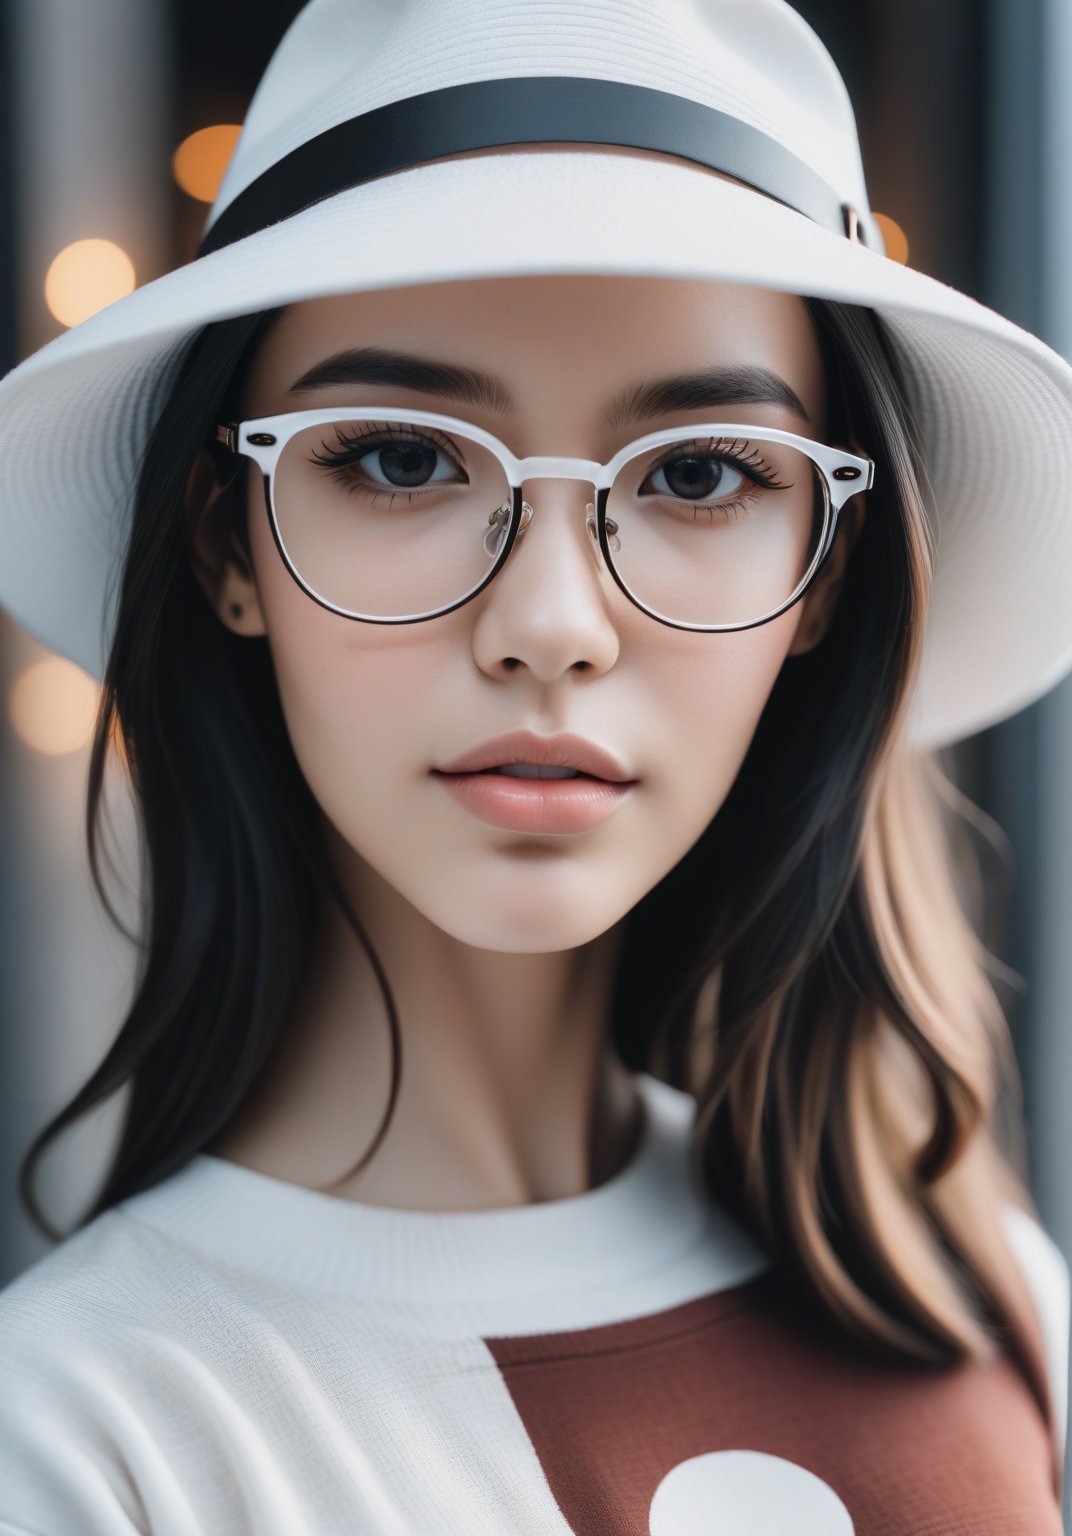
{"points": [[117, 118]]}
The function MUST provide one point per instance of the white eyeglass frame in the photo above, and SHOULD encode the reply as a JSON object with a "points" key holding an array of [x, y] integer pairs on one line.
{"points": [[263, 439]]}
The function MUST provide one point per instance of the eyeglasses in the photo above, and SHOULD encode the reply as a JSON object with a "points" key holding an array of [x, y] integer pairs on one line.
{"points": [[395, 517]]}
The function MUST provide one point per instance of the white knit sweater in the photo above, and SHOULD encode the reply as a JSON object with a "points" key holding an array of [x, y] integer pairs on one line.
{"points": [[228, 1353]]}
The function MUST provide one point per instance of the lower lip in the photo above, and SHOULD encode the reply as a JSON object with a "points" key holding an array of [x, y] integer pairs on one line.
{"points": [[535, 805]]}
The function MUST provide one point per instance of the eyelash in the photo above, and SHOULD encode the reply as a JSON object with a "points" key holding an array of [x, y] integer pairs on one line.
{"points": [[727, 448]]}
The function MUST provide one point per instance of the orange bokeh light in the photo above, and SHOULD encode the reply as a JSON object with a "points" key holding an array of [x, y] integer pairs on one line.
{"points": [[53, 706], [894, 236], [201, 159], [86, 276]]}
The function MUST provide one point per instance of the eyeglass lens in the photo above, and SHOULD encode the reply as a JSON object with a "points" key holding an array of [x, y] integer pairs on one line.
{"points": [[394, 519]]}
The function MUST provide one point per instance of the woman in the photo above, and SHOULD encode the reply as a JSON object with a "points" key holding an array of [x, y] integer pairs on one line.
{"points": [[556, 427]]}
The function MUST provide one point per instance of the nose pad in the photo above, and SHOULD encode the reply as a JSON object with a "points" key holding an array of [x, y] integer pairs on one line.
{"points": [[500, 518], [612, 528], [500, 521]]}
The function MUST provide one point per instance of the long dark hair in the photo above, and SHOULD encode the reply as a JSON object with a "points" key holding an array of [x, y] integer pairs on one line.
{"points": [[810, 970]]}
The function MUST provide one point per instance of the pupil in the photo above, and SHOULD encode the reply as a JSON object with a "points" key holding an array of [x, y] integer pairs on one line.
{"points": [[692, 476], [407, 463]]}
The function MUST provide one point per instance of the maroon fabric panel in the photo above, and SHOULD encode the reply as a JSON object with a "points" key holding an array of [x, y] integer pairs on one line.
{"points": [[631, 1422]]}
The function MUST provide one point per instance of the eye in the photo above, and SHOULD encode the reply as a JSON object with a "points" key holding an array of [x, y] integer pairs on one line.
{"points": [[697, 476], [399, 458], [715, 480], [404, 464]]}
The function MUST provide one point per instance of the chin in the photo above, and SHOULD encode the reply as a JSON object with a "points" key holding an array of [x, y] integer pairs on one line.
{"points": [[534, 928]]}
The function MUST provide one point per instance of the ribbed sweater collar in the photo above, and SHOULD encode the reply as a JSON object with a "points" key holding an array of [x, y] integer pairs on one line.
{"points": [[650, 1212]]}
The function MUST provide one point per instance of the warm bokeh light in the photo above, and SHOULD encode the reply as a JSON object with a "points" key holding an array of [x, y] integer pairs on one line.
{"points": [[86, 276], [894, 236], [53, 706], [201, 159]]}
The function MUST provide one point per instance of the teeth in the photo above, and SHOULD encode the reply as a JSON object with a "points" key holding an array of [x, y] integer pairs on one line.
{"points": [[535, 771]]}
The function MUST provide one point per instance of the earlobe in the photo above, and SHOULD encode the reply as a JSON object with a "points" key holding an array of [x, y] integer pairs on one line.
{"points": [[219, 562]]}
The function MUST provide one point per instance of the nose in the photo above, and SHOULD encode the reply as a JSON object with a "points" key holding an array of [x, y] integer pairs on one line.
{"points": [[560, 501], [549, 606], [591, 521], [501, 517]]}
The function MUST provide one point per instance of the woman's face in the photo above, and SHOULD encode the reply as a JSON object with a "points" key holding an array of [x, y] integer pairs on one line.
{"points": [[552, 645]]}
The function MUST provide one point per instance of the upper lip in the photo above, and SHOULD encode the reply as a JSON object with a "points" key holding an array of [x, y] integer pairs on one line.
{"points": [[555, 751]]}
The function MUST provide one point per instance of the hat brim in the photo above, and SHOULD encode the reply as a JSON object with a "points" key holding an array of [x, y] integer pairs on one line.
{"points": [[994, 402]]}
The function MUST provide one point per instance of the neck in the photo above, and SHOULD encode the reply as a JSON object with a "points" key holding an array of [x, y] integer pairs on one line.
{"points": [[511, 1092]]}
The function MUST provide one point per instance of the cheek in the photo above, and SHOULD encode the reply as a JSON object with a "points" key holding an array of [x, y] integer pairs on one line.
{"points": [[343, 685], [708, 693]]}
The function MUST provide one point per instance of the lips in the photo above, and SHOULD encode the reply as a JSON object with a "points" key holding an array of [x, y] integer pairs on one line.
{"points": [[522, 804]]}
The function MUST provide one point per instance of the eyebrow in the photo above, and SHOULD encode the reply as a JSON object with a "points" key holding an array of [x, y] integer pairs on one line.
{"points": [[738, 384]]}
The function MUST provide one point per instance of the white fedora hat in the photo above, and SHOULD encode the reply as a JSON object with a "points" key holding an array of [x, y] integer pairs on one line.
{"points": [[337, 185]]}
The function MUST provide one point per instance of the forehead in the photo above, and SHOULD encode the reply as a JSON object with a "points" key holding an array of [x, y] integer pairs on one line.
{"points": [[574, 340]]}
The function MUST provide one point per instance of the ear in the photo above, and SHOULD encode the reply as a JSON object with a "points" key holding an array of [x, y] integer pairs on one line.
{"points": [[820, 600], [219, 562]]}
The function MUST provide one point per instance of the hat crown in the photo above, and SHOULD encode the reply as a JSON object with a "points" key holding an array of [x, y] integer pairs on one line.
{"points": [[757, 60]]}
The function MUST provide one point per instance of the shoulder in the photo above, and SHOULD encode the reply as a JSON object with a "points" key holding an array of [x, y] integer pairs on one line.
{"points": [[1049, 1282], [71, 1326], [107, 1298], [102, 1276]]}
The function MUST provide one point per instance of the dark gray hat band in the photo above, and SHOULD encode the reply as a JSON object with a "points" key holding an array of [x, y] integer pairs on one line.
{"points": [[481, 114]]}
